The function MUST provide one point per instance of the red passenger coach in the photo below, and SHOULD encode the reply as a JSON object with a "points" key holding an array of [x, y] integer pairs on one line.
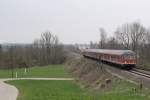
{"points": [[125, 58]]}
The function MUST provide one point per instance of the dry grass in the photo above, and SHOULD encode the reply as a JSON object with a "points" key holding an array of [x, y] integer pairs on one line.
{"points": [[91, 73]]}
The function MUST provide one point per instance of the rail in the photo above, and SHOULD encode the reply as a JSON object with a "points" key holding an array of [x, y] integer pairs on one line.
{"points": [[141, 72]]}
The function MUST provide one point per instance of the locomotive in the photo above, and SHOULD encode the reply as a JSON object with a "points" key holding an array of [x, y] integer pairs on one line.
{"points": [[124, 58]]}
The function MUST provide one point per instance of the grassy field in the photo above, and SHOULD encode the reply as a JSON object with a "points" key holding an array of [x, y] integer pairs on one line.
{"points": [[45, 71], [69, 90]]}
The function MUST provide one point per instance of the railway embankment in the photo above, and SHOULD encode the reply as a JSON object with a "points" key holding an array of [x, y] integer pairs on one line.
{"points": [[90, 73], [94, 74]]}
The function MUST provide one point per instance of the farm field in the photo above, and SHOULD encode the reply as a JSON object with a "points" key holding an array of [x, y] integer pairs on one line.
{"points": [[40, 72], [69, 90]]}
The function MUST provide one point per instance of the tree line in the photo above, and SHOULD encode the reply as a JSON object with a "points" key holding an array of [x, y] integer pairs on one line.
{"points": [[48, 50], [44, 51]]}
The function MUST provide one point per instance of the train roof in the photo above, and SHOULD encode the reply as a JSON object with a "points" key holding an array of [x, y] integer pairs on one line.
{"points": [[110, 51]]}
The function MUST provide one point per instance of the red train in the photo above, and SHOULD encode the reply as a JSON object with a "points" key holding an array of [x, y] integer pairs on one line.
{"points": [[125, 58]]}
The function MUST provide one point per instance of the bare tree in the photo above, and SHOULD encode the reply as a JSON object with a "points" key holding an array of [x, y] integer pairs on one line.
{"points": [[48, 49], [131, 35], [123, 35], [137, 35], [103, 37], [148, 37], [145, 47]]}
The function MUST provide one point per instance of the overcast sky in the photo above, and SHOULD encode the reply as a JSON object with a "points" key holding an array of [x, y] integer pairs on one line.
{"points": [[73, 21]]}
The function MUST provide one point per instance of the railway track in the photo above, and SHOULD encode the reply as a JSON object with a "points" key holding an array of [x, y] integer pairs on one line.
{"points": [[145, 72], [143, 68], [141, 72]]}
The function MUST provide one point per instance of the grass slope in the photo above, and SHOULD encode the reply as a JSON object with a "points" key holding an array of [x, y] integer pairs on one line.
{"points": [[68, 90], [45, 71]]}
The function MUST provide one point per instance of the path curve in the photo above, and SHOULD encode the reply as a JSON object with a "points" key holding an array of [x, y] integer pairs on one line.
{"points": [[9, 92]]}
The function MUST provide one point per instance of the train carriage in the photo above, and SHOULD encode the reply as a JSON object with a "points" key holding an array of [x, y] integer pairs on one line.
{"points": [[125, 58]]}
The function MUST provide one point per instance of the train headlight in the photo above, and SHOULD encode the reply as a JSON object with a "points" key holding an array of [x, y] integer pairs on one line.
{"points": [[125, 62]]}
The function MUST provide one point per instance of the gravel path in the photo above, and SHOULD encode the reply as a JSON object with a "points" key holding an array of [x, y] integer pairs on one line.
{"points": [[9, 92], [6, 79]]}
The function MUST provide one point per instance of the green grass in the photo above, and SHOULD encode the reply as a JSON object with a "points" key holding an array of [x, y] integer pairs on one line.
{"points": [[45, 71], [69, 90], [5, 73]]}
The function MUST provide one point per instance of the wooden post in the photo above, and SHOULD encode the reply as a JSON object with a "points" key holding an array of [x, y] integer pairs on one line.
{"points": [[25, 70]]}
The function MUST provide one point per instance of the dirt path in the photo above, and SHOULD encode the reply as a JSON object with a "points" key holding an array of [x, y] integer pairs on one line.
{"points": [[9, 92]]}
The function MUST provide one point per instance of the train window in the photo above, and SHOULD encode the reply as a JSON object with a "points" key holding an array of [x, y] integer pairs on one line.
{"points": [[129, 56]]}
